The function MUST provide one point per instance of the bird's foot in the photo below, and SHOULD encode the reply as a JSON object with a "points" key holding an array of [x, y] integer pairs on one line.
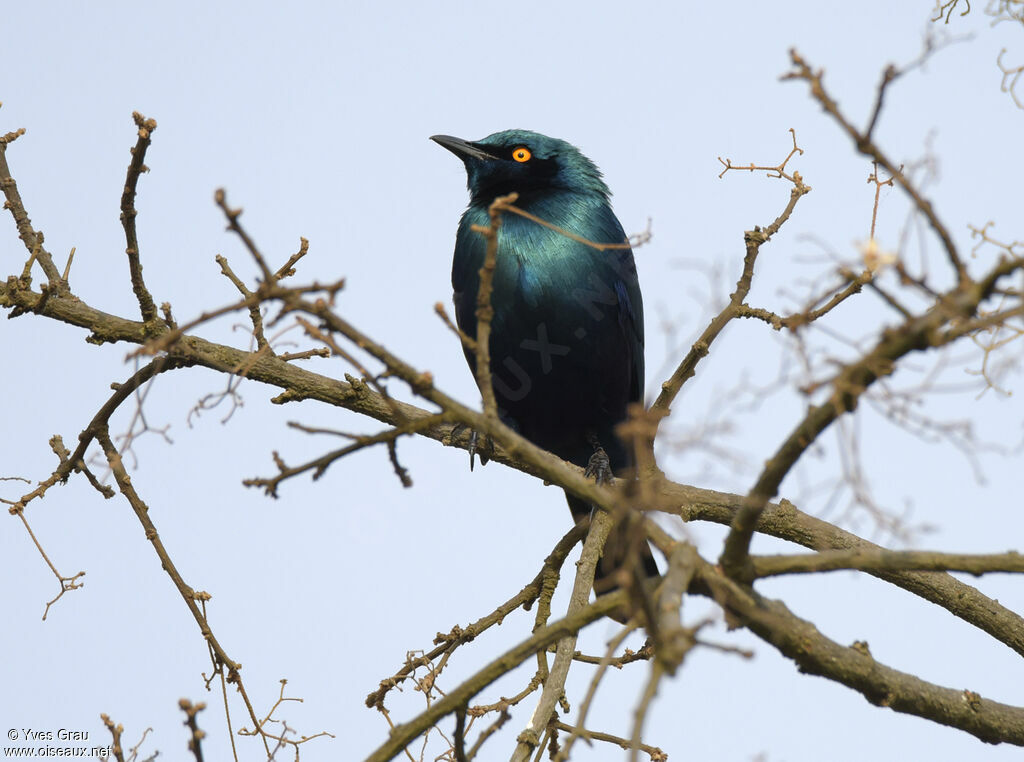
{"points": [[484, 449], [599, 466]]}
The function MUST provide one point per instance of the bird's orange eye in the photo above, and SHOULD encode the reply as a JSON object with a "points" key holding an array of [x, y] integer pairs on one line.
{"points": [[521, 154]]}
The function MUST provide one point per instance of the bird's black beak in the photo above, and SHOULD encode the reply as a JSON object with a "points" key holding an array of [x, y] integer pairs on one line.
{"points": [[462, 148]]}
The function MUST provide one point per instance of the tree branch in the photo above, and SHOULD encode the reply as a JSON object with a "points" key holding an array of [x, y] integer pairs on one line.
{"points": [[864, 143], [753, 240], [887, 560], [554, 685], [815, 654], [128, 214], [402, 735], [691, 503], [32, 239], [916, 334]]}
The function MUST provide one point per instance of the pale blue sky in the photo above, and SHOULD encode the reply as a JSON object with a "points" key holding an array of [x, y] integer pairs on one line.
{"points": [[315, 118]]}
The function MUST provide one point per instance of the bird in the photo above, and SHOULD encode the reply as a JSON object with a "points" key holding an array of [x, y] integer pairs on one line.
{"points": [[567, 332]]}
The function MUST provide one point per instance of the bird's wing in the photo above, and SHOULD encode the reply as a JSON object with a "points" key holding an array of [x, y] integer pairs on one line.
{"points": [[466, 264], [546, 288], [627, 288]]}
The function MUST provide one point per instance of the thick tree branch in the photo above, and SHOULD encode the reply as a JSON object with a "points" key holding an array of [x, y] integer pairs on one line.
{"points": [[785, 522], [691, 503], [816, 654], [953, 315], [917, 334]]}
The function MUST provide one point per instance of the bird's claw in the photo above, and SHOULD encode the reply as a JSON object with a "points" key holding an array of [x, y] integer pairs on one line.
{"points": [[599, 466], [485, 451]]}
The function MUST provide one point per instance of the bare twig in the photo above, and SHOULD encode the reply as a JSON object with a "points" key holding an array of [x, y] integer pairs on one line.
{"points": [[602, 666], [467, 341], [887, 560], [128, 213], [529, 738], [232, 215], [196, 734], [777, 171], [459, 635], [288, 268], [29, 236], [945, 9], [320, 465], [305, 354], [188, 594], [281, 738], [402, 735], [864, 143], [653, 752], [490, 730], [484, 310], [115, 732], [753, 240], [637, 240], [255, 314], [72, 462], [918, 333]]}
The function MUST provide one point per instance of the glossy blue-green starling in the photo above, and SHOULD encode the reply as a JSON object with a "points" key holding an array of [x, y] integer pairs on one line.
{"points": [[567, 336]]}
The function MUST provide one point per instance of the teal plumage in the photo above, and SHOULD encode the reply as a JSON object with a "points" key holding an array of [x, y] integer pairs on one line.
{"points": [[567, 335]]}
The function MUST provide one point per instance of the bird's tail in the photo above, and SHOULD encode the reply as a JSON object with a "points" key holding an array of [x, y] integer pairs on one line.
{"points": [[623, 549]]}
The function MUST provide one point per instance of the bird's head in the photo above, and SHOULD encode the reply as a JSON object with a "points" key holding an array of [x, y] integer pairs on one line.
{"points": [[525, 162]]}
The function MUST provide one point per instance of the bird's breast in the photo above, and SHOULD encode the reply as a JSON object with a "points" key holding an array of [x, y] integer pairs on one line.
{"points": [[566, 356]]}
